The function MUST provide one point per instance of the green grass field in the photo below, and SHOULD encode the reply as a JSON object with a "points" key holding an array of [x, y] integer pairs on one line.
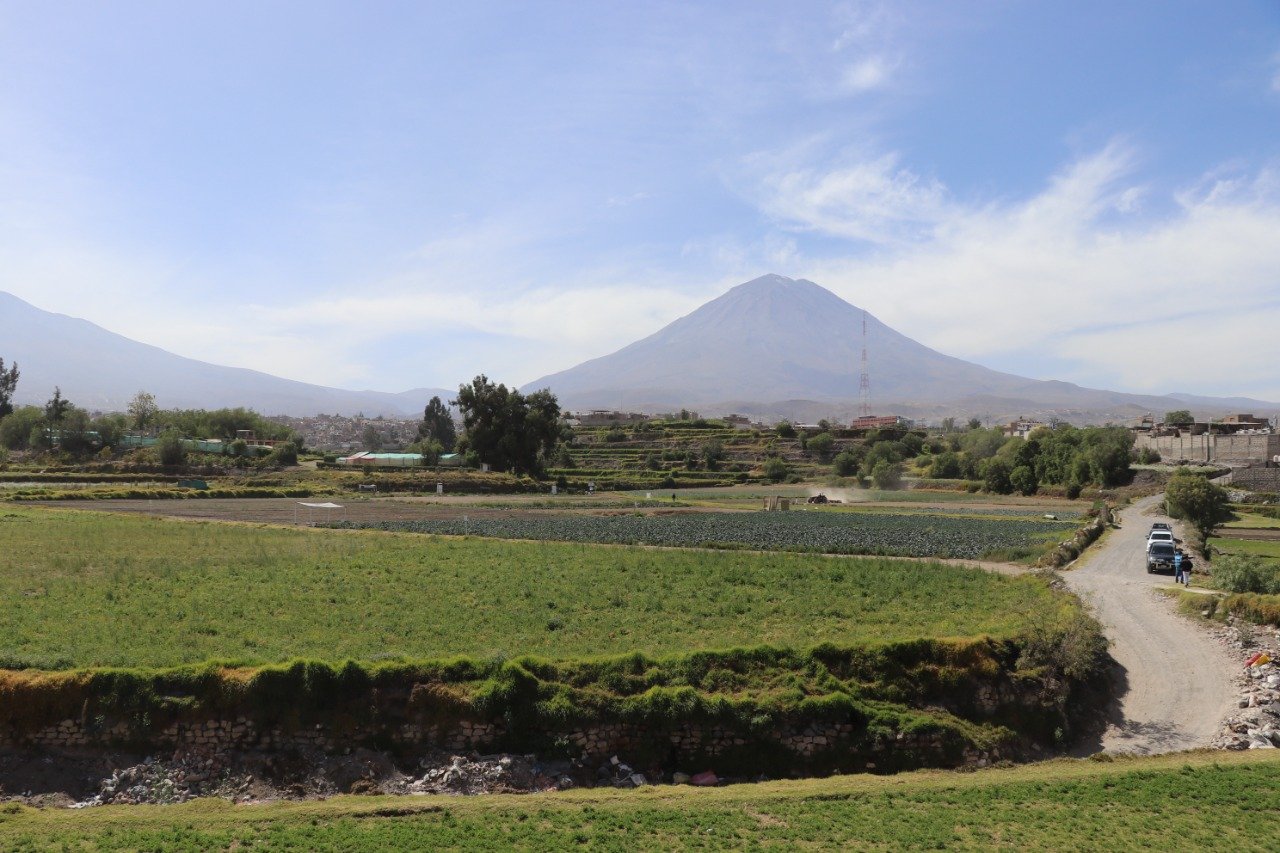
{"points": [[1269, 548], [1203, 801], [95, 589], [1254, 520]]}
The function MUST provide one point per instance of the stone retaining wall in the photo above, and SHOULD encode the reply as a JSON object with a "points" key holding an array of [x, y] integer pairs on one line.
{"points": [[1256, 479]]}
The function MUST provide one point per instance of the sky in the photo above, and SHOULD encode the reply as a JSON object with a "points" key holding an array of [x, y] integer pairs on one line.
{"points": [[391, 195]]}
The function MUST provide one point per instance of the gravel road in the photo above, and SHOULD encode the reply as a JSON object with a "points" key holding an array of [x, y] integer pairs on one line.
{"points": [[1175, 686]]}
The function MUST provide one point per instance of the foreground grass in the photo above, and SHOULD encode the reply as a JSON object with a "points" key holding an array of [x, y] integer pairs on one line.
{"points": [[95, 589], [1217, 801]]}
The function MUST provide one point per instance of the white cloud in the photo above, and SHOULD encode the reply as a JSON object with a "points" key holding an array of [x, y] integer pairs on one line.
{"points": [[1057, 278], [866, 75], [874, 200]]}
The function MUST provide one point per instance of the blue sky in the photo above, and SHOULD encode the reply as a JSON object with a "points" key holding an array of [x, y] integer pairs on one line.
{"points": [[391, 195]]}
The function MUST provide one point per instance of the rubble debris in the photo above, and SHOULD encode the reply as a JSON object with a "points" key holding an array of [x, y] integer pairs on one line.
{"points": [[1256, 725]]}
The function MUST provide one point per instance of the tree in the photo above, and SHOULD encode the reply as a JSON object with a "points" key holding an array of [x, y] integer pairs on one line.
{"points": [[945, 466], [948, 425], [886, 475], [170, 448], [56, 409], [712, 453], [775, 469], [371, 439], [8, 384], [507, 430], [20, 425], [995, 476], [786, 430], [437, 425], [847, 464], [821, 444], [1192, 498], [1179, 417], [1023, 479], [142, 410], [975, 423]]}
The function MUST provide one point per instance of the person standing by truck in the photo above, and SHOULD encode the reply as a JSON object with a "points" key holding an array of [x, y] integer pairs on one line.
{"points": [[1177, 567]]}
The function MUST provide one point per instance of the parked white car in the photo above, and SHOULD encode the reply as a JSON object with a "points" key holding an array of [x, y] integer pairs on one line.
{"points": [[1165, 536]]}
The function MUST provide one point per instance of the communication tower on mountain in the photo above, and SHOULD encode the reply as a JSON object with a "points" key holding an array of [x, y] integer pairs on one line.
{"points": [[864, 382]]}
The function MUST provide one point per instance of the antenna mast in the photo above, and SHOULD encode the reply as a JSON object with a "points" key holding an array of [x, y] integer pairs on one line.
{"points": [[864, 382]]}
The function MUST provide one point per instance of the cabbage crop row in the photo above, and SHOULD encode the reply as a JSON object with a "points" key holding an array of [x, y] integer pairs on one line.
{"points": [[909, 535]]}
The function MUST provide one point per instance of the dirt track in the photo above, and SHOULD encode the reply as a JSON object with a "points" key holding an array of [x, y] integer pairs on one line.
{"points": [[1176, 686]]}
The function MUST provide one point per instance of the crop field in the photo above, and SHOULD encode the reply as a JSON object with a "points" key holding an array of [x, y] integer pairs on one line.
{"points": [[1204, 801], [911, 535], [101, 589], [1266, 548]]}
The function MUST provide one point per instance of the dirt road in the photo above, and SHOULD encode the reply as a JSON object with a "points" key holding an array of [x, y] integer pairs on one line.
{"points": [[1176, 685]]}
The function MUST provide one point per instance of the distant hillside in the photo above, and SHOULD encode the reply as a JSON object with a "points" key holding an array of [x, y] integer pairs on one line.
{"points": [[778, 347], [98, 369]]}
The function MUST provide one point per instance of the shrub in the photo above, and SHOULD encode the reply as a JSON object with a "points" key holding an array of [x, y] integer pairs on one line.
{"points": [[995, 476], [170, 448], [887, 475], [846, 464], [1023, 479], [786, 430], [821, 444], [1239, 573], [285, 454], [945, 466], [776, 469]]}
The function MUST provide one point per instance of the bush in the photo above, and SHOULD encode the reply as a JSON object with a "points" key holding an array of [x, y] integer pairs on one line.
{"points": [[285, 454], [786, 430], [821, 444], [887, 475], [170, 448], [995, 476], [1238, 573], [846, 464], [945, 466], [776, 469], [1023, 479]]}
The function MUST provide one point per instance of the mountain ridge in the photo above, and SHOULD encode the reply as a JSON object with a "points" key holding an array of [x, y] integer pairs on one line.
{"points": [[101, 370], [776, 339]]}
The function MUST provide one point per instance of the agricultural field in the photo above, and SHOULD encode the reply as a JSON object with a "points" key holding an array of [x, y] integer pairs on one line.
{"points": [[906, 534], [100, 589], [1222, 801], [1266, 548]]}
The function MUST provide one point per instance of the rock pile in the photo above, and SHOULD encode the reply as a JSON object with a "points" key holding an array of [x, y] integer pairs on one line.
{"points": [[1257, 723], [186, 776], [491, 774]]}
